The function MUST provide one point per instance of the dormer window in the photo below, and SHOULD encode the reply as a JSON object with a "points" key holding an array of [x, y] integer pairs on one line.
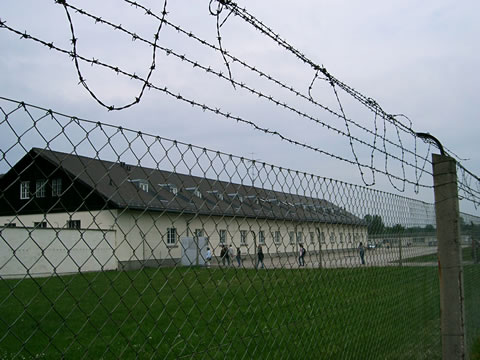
{"points": [[195, 191], [236, 196], [217, 194], [253, 198], [170, 188], [142, 184]]}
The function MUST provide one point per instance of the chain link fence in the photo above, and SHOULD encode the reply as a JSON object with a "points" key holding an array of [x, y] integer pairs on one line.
{"points": [[119, 244]]}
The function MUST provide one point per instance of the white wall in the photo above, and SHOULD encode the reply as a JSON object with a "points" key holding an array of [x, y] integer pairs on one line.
{"points": [[93, 220], [43, 252], [142, 235]]}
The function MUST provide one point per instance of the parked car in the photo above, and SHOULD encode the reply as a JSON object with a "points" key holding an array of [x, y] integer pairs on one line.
{"points": [[371, 246]]}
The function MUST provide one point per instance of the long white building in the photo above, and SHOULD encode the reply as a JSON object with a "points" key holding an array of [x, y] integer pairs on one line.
{"points": [[65, 213]]}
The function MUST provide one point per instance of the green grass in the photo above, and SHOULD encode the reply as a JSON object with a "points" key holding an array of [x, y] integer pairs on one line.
{"points": [[466, 256], [475, 355], [374, 313], [471, 280]]}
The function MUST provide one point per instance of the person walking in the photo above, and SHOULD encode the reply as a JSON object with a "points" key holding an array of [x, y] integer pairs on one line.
{"points": [[239, 257], [223, 254], [230, 255], [301, 257], [208, 257], [361, 250], [260, 257]]}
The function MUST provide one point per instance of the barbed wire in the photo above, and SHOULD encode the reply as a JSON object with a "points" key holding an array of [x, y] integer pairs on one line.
{"points": [[219, 37], [420, 161], [366, 101], [88, 126], [389, 118], [77, 66], [262, 28], [468, 185], [162, 20], [204, 107], [234, 83]]}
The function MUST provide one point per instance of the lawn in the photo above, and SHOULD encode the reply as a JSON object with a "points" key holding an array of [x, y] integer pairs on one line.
{"points": [[466, 256], [169, 313]]}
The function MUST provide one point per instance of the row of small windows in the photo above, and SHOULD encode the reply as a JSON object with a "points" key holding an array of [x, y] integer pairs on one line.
{"points": [[40, 189], [277, 237], [172, 188], [71, 224], [172, 234], [292, 236]]}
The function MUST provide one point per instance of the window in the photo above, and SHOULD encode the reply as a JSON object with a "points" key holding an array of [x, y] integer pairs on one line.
{"points": [[171, 236], [10, 225], [261, 237], [300, 238], [236, 196], [73, 224], [216, 193], [56, 187], [322, 237], [170, 187], [25, 190], [143, 186], [40, 186], [276, 237], [332, 238], [222, 236], [243, 237], [292, 237], [195, 191], [312, 237], [40, 224]]}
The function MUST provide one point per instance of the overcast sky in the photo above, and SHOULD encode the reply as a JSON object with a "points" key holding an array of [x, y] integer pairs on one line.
{"points": [[415, 58]]}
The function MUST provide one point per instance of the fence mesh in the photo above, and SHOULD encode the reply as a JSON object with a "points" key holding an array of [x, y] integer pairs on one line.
{"points": [[119, 244]]}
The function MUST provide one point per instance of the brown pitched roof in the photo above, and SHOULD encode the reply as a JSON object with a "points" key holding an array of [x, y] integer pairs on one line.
{"points": [[119, 184]]}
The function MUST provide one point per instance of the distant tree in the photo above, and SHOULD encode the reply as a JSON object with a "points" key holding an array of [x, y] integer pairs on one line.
{"points": [[396, 229], [375, 224], [429, 228]]}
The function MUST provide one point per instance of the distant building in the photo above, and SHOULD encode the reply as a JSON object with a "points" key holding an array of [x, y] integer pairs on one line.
{"points": [[92, 214]]}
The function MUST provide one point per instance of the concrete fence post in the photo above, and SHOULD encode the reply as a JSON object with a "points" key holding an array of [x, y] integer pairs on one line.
{"points": [[449, 258]]}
